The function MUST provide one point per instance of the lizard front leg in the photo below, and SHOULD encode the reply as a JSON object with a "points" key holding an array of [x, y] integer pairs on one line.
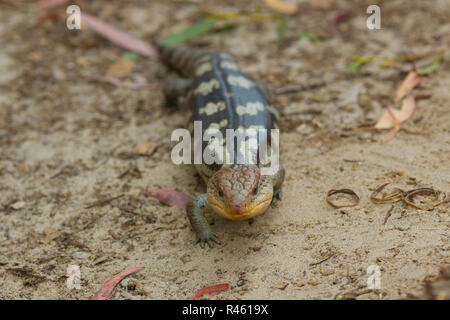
{"points": [[196, 209], [277, 181]]}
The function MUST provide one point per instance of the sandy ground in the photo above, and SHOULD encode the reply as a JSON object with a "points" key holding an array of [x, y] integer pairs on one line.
{"points": [[67, 140]]}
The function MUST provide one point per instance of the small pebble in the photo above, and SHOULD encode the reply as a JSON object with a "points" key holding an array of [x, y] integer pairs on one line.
{"points": [[80, 255], [18, 205]]}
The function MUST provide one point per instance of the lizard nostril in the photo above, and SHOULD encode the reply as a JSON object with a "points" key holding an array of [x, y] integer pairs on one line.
{"points": [[255, 191], [220, 193]]}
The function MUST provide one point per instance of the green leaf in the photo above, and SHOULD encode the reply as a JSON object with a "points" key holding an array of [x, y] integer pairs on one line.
{"points": [[354, 67], [430, 68], [281, 30], [130, 55], [357, 62], [194, 31], [225, 28], [228, 16], [309, 36], [232, 16]]}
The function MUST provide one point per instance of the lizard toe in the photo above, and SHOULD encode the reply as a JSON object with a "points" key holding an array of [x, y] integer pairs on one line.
{"points": [[208, 238]]}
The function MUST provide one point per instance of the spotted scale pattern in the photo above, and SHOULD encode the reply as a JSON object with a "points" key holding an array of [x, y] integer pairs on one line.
{"points": [[243, 105], [223, 97]]}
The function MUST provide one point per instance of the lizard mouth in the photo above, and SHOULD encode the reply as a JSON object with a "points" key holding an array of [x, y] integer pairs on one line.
{"points": [[253, 210]]}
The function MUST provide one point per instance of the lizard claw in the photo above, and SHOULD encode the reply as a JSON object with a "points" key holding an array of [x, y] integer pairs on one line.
{"points": [[276, 198], [207, 237], [278, 194]]}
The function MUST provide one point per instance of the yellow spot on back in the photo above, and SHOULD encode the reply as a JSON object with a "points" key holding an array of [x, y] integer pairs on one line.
{"points": [[207, 87], [240, 81], [213, 128], [204, 58], [223, 123], [204, 67], [212, 108], [226, 64], [252, 108]]}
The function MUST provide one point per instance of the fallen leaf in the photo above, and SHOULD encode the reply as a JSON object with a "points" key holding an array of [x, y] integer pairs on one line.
{"points": [[343, 15], [430, 68], [145, 148], [386, 121], [105, 292], [171, 198], [211, 291], [120, 69], [339, 17], [281, 6], [48, 16], [411, 80], [392, 133], [194, 31], [118, 36], [357, 62]]}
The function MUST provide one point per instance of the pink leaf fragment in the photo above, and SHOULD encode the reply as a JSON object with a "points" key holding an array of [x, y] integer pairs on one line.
{"points": [[387, 121], [47, 4], [392, 133], [118, 36], [343, 15], [211, 291], [105, 292], [171, 198], [411, 80]]}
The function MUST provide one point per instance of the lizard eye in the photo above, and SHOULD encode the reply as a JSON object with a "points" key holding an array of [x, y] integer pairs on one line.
{"points": [[220, 193], [255, 190]]}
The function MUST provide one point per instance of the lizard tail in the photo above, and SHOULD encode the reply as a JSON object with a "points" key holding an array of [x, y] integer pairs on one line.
{"points": [[181, 59]]}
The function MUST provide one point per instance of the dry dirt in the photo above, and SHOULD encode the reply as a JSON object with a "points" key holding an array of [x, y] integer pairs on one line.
{"points": [[67, 140]]}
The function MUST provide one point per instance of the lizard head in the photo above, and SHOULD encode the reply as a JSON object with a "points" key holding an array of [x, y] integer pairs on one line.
{"points": [[239, 192]]}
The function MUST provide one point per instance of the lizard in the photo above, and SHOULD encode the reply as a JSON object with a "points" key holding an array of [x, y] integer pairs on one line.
{"points": [[222, 97]]}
